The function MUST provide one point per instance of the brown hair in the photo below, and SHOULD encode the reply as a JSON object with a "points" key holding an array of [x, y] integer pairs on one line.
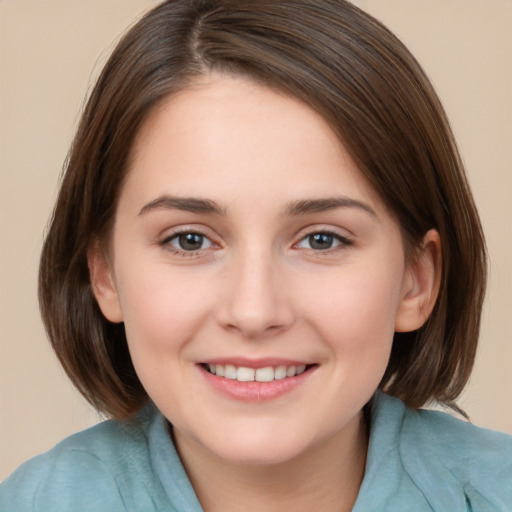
{"points": [[374, 94]]}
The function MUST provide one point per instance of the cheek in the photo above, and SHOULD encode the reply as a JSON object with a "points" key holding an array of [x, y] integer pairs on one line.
{"points": [[355, 309], [163, 313], [161, 309]]}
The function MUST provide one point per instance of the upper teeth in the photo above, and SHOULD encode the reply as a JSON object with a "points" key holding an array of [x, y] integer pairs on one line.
{"points": [[244, 374]]}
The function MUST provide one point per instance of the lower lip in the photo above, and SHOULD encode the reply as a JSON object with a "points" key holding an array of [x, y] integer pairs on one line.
{"points": [[255, 391]]}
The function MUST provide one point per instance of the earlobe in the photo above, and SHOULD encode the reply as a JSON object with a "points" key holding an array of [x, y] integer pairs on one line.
{"points": [[102, 282], [421, 285]]}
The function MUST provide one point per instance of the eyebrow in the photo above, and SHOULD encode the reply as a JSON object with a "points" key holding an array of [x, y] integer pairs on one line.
{"points": [[306, 206], [294, 208], [187, 204]]}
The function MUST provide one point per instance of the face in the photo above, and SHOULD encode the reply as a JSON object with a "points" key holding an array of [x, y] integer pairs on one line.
{"points": [[258, 274]]}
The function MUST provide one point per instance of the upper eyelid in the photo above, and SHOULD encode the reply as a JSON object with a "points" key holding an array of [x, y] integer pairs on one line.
{"points": [[175, 234], [322, 228], [340, 238], [337, 232], [169, 233], [166, 239]]}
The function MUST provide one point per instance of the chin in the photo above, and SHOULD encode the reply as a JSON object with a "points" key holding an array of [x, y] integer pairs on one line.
{"points": [[258, 456], [257, 447]]}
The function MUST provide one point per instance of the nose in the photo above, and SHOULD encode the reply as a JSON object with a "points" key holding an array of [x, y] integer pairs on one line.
{"points": [[255, 301]]}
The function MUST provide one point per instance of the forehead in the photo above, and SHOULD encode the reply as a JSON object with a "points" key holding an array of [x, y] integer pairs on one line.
{"points": [[226, 134]]}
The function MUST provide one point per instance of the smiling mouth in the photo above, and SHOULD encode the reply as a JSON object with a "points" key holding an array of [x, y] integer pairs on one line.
{"points": [[266, 374]]}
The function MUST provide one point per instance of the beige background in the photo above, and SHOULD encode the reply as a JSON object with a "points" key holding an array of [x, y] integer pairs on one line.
{"points": [[47, 52]]}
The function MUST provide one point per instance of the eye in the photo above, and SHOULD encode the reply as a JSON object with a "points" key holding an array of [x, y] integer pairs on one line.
{"points": [[189, 241], [322, 241]]}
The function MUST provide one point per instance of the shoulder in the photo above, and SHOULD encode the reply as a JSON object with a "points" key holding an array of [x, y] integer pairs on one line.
{"points": [[458, 440], [445, 454], [465, 449], [87, 471]]}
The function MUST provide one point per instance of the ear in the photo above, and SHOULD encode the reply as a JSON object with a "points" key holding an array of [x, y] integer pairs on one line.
{"points": [[421, 285], [102, 282]]}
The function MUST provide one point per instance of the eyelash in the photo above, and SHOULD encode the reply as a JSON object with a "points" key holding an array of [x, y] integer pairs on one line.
{"points": [[342, 242], [166, 243]]}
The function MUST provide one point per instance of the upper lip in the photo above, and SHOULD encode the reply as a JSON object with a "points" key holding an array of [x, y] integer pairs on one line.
{"points": [[256, 363]]}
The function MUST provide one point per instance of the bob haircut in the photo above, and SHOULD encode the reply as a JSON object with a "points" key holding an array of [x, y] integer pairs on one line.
{"points": [[356, 74]]}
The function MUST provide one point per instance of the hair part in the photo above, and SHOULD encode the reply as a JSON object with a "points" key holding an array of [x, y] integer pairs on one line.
{"points": [[377, 99]]}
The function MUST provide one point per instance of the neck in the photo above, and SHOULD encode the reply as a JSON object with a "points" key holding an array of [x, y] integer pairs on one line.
{"points": [[326, 477]]}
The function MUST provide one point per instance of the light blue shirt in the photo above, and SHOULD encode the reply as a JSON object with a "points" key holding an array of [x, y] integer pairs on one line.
{"points": [[418, 461]]}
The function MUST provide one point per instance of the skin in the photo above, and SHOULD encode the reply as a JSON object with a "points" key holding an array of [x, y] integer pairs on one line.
{"points": [[256, 286]]}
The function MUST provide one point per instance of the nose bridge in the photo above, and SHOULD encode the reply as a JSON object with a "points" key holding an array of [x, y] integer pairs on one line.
{"points": [[256, 302]]}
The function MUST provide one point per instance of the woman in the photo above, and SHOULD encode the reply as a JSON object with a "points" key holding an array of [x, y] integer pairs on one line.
{"points": [[264, 221]]}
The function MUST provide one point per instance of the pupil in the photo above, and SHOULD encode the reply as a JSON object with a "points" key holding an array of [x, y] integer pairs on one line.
{"points": [[191, 241], [320, 241]]}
